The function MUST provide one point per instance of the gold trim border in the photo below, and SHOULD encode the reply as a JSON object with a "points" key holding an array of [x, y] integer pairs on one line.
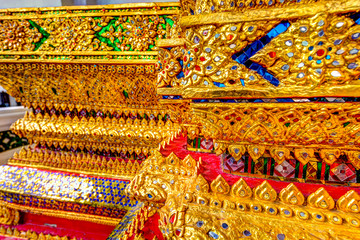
{"points": [[170, 42], [351, 90], [288, 12], [125, 6], [89, 174], [64, 214]]}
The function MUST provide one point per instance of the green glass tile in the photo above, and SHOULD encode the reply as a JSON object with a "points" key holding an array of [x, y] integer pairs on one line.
{"points": [[246, 163], [304, 170], [318, 173], [297, 169], [272, 167], [327, 172], [265, 165]]}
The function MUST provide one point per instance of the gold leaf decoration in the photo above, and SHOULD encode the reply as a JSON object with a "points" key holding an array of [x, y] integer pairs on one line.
{"points": [[201, 184], [321, 199], [292, 195], [255, 151], [350, 202], [279, 154], [236, 151], [219, 148], [219, 185], [241, 189], [329, 155], [265, 192], [354, 158], [304, 155]]}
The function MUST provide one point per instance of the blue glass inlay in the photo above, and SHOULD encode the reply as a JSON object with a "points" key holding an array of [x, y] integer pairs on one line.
{"points": [[213, 235], [219, 84], [224, 225], [180, 75], [243, 56], [199, 223], [356, 18]]}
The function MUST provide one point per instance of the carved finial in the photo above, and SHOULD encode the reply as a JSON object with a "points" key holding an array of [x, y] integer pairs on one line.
{"points": [[255, 152], [350, 202], [321, 199], [236, 151], [241, 189], [329, 155], [304, 155], [219, 185], [292, 195], [354, 158], [201, 185], [189, 162], [279, 154], [173, 159], [265, 192]]}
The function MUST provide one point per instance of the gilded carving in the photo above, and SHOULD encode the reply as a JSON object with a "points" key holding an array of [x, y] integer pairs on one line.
{"points": [[241, 189], [18, 35], [219, 185], [321, 199], [265, 192], [292, 195], [349, 202], [9, 216]]}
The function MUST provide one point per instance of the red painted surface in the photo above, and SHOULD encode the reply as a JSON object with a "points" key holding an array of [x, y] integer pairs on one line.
{"points": [[63, 227], [151, 228], [211, 168]]}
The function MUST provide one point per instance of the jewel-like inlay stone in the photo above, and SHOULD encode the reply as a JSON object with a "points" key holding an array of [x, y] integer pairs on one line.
{"points": [[224, 225], [335, 63], [340, 51], [355, 36], [354, 51], [233, 28], [300, 65], [288, 43], [337, 41], [352, 66], [213, 235], [339, 24], [232, 45], [207, 50], [303, 29], [290, 54], [199, 223], [321, 23], [285, 67], [300, 75], [335, 74], [302, 214], [286, 212], [247, 233], [196, 39], [217, 58], [281, 236]]}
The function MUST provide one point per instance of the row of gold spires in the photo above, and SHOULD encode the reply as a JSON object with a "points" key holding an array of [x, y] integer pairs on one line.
{"points": [[84, 162], [14, 232]]}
